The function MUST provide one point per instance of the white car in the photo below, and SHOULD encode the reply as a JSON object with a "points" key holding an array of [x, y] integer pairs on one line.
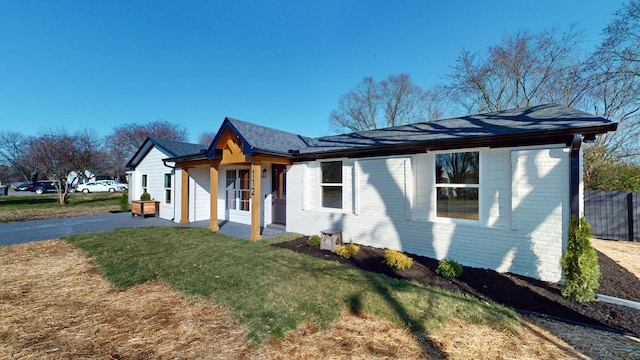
{"points": [[100, 186], [117, 184]]}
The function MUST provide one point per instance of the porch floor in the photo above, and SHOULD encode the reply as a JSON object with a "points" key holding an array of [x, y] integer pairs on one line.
{"points": [[241, 230]]}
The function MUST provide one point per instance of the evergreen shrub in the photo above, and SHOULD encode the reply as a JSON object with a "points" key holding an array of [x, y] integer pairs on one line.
{"points": [[580, 267], [124, 201]]}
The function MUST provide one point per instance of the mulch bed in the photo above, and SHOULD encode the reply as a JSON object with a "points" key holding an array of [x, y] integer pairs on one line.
{"points": [[524, 294]]}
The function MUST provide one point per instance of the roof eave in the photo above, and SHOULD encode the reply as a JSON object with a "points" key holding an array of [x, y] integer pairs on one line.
{"points": [[134, 161], [498, 141], [191, 157]]}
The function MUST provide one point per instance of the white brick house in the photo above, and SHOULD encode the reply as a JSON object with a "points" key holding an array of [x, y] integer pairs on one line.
{"points": [[492, 190], [149, 173]]}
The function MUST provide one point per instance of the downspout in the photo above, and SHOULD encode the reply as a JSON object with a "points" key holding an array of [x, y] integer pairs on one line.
{"points": [[574, 176], [173, 193]]}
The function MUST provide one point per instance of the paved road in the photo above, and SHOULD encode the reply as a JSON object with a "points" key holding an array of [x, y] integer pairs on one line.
{"points": [[25, 231]]}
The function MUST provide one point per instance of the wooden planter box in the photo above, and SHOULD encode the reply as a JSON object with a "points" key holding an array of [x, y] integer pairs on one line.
{"points": [[145, 208]]}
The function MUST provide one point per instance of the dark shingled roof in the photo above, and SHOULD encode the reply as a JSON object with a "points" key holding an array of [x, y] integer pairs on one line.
{"points": [[532, 121], [542, 124], [263, 139], [169, 147], [177, 148]]}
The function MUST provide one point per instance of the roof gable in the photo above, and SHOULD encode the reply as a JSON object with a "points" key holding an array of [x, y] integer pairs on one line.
{"points": [[259, 139], [168, 147]]}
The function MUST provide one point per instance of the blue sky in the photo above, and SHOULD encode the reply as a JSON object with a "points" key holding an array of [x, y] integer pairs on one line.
{"points": [[73, 65]]}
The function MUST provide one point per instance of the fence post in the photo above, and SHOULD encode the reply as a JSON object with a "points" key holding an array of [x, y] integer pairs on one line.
{"points": [[630, 216]]}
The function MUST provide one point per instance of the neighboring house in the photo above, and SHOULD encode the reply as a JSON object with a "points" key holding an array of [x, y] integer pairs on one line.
{"points": [[151, 174], [491, 191]]}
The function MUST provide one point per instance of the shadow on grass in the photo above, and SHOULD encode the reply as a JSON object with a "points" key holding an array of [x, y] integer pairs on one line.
{"points": [[355, 306], [522, 293]]}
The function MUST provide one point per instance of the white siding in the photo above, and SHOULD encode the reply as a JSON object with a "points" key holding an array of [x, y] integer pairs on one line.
{"points": [[153, 167], [524, 208], [199, 197], [265, 189]]}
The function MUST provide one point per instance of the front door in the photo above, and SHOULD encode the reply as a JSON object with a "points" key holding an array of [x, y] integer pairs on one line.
{"points": [[279, 193], [238, 196]]}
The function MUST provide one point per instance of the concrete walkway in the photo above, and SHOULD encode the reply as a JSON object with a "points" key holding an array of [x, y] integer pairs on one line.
{"points": [[618, 301], [26, 231]]}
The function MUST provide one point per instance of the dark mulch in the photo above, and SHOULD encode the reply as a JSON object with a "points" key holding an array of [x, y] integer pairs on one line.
{"points": [[524, 294]]}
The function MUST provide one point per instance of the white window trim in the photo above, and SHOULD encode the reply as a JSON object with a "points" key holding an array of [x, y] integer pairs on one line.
{"points": [[143, 186], [169, 189], [321, 185], [238, 199], [434, 185]]}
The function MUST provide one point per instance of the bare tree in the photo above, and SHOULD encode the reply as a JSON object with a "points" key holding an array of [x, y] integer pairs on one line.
{"points": [[14, 147], [61, 154], [403, 100], [616, 81], [622, 42], [377, 104], [358, 108], [206, 138], [523, 70], [124, 140]]}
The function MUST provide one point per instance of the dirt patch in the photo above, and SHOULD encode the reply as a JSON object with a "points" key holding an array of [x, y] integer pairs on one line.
{"points": [[55, 305], [522, 293]]}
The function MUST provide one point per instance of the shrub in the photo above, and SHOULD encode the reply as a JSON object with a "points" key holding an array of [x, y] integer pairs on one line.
{"points": [[313, 241], [124, 201], [449, 268], [397, 260], [145, 196], [580, 267], [348, 250]]}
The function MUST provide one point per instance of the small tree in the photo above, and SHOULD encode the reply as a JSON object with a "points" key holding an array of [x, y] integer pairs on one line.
{"points": [[14, 148], [580, 268], [58, 155], [124, 201]]}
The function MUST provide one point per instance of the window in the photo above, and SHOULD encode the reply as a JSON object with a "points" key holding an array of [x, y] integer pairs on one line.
{"points": [[144, 183], [167, 188], [238, 190], [457, 185], [331, 184]]}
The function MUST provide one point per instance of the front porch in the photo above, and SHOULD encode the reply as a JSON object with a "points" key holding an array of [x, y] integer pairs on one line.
{"points": [[232, 183]]}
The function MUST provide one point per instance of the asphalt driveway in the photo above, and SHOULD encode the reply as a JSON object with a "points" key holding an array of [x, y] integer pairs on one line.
{"points": [[26, 231]]}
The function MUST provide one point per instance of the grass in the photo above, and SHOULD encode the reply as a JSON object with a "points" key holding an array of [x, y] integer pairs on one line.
{"points": [[269, 290], [46, 206]]}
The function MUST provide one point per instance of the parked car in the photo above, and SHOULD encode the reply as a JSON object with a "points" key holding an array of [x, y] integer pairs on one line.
{"points": [[22, 187], [118, 184], [42, 186], [99, 186]]}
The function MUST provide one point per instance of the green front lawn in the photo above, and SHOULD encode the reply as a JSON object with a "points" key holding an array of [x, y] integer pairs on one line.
{"points": [[46, 206], [270, 290]]}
